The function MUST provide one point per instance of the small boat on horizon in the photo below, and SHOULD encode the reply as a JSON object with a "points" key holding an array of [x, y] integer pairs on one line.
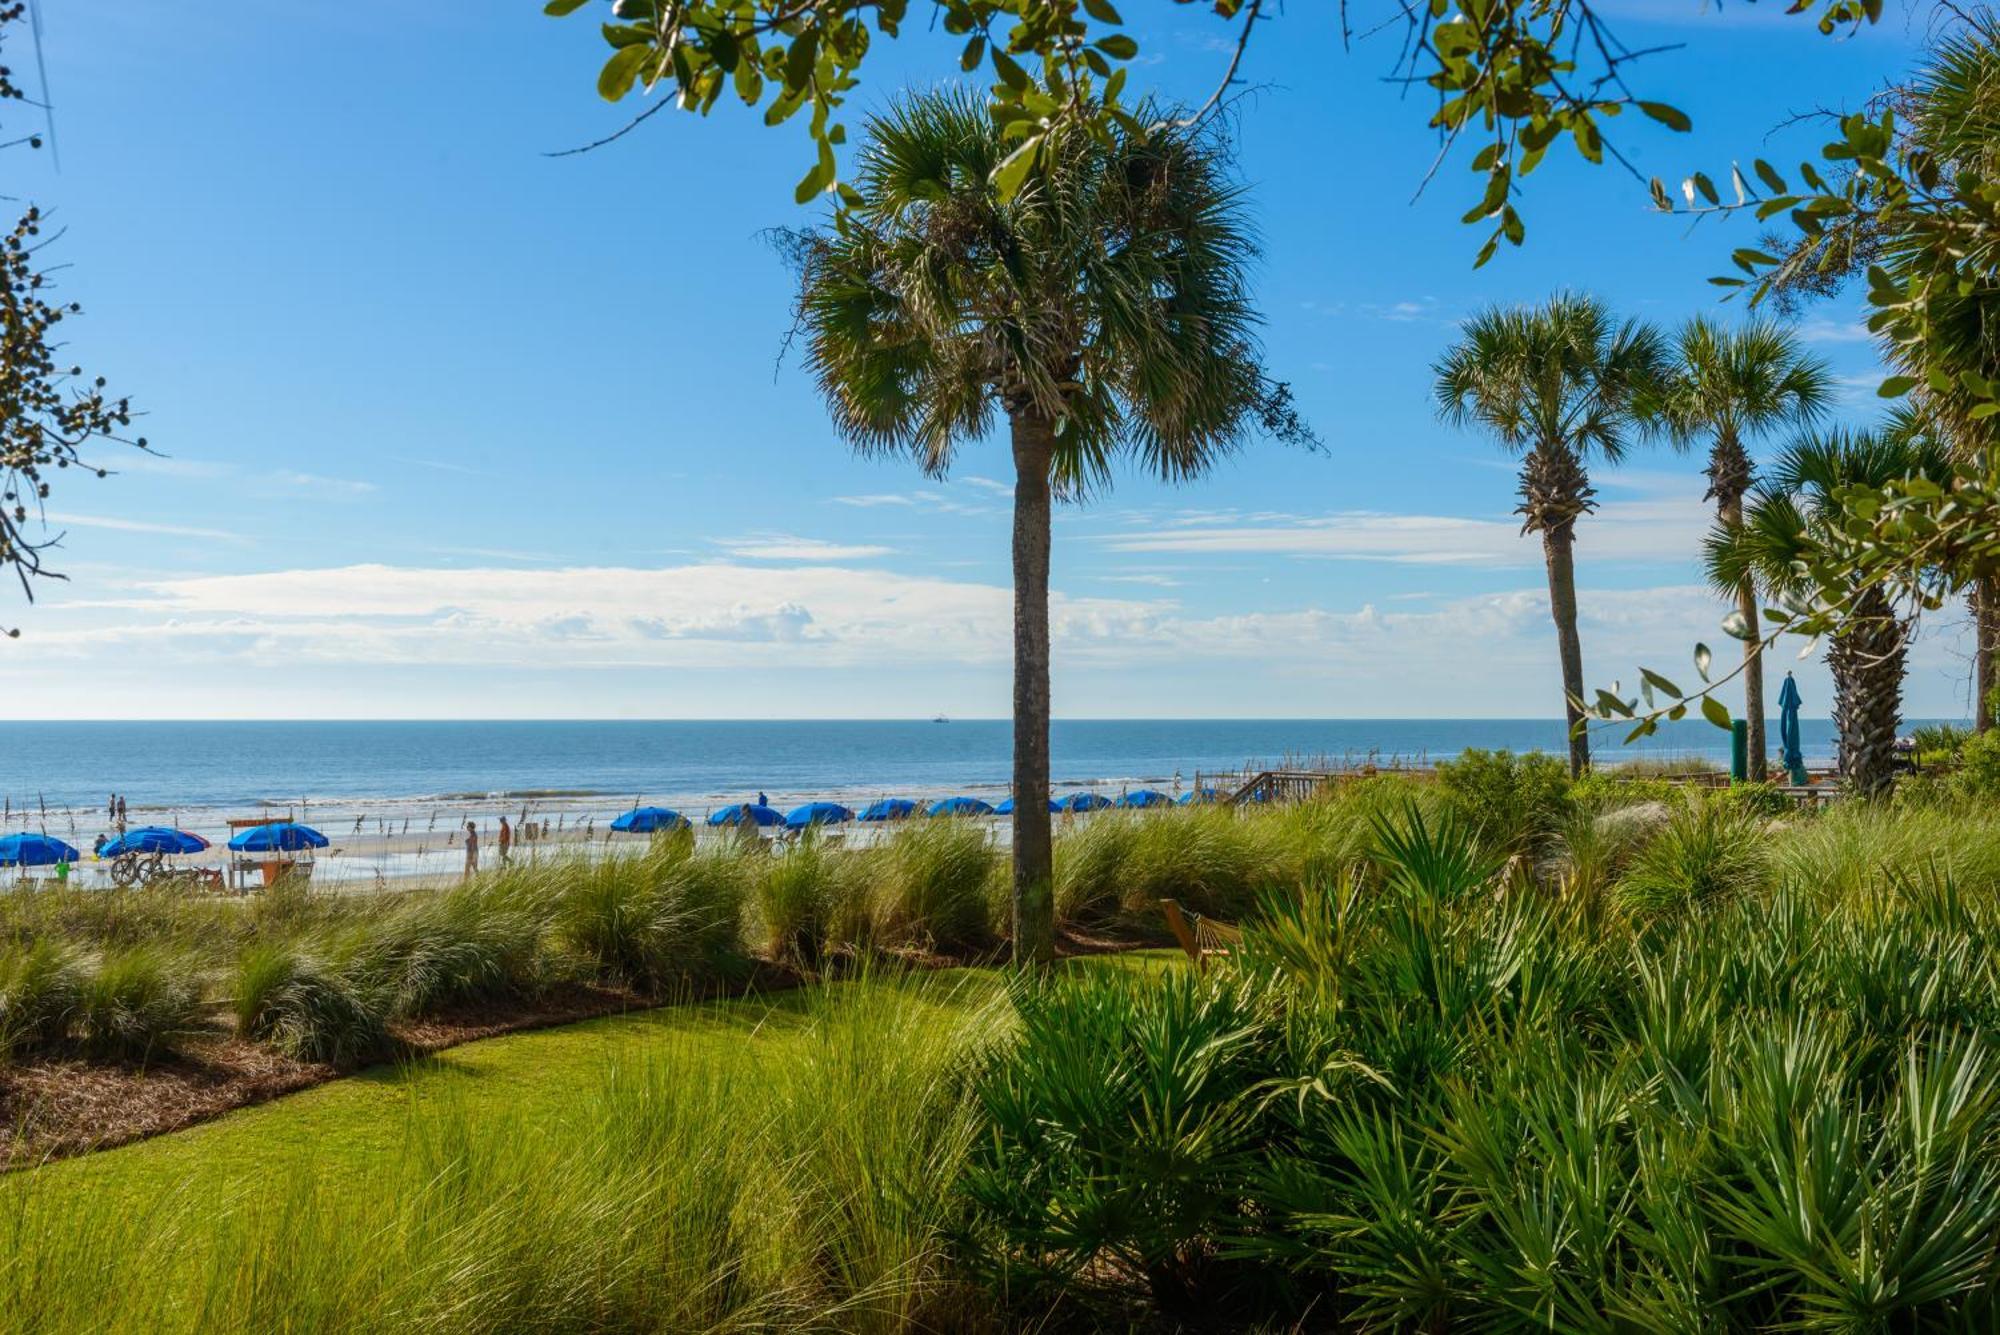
{"points": [[940, 719]]}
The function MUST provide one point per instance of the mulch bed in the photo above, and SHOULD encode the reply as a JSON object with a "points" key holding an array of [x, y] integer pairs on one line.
{"points": [[55, 1108]]}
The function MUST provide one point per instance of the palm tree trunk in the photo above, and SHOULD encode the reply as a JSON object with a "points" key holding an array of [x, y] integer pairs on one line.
{"points": [[1730, 512], [1985, 632], [1867, 661], [1557, 544], [1034, 865]]}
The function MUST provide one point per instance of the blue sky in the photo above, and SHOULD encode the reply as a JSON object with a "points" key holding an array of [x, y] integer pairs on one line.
{"points": [[454, 429]]}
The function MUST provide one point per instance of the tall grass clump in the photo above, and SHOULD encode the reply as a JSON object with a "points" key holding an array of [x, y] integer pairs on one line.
{"points": [[1090, 860], [1707, 852], [668, 918], [471, 943], [306, 1008], [137, 1001], [933, 886], [1515, 803], [40, 986], [807, 900]]}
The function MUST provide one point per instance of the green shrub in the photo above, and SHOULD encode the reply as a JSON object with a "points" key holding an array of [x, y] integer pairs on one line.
{"points": [[1710, 851], [138, 1001], [1764, 800], [306, 1009], [40, 985], [933, 885], [1979, 765], [1515, 803], [1608, 789]]}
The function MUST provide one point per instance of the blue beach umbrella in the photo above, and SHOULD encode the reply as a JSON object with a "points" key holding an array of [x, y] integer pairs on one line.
{"points": [[756, 813], [649, 820], [817, 813], [1007, 808], [34, 850], [961, 806], [890, 808], [1082, 802], [1194, 795], [153, 839], [282, 836], [1792, 754], [1146, 797]]}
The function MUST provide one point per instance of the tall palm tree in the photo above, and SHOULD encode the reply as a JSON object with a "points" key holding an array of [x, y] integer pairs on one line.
{"points": [[1562, 385], [1101, 311], [1731, 386], [1795, 514]]}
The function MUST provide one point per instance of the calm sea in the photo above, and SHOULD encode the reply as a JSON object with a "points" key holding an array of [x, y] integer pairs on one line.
{"points": [[205, 765]]}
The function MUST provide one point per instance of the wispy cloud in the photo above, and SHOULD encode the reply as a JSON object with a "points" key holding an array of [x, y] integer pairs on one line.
{"points": [[785, 547], [315, 482], [59, 519], [934, 501], [1822, 330]]}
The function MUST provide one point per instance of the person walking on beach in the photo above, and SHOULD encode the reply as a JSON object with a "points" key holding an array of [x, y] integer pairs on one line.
{"points": [[506, 840], [121, 813], [471, 849]]}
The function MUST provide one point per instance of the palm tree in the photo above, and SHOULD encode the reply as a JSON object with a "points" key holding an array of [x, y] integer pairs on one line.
{"points": [[1102, 311], [1732, 385], [1561, 385], [1796, 514]]}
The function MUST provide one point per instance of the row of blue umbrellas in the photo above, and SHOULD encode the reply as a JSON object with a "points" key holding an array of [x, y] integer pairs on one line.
{"points": [[659, 820], [41, 850]]}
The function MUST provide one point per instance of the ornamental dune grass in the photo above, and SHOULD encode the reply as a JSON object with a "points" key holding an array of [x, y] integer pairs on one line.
{"points": [[803, 1182], [136, 1002], [933, 887], [666, 918]]}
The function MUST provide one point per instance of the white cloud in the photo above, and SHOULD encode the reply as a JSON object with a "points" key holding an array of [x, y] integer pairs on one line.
{"points": [[914, 500], [1822, 330], [784, 547], [990, 485], [314, 482]]}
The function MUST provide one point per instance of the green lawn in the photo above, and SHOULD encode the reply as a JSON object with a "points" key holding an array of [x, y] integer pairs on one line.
{"points": [[763, 1161]]}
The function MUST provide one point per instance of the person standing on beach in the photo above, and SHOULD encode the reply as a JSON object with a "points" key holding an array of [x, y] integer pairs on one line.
{"points": [[471, 849], [121, 813], [506, 840]]}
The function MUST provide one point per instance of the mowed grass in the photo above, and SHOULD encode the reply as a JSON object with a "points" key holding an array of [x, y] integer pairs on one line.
{"points": [[765, 1163]]}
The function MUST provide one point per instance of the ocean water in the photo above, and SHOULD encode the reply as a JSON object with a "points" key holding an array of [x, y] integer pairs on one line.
{"points": [[171, 766]]}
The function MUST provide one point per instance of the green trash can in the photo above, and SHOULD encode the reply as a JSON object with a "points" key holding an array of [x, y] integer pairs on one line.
{"points": [[1739, 750]]}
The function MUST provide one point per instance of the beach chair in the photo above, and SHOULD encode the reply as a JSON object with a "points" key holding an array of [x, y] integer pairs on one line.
{"points": [[1201, 938]]}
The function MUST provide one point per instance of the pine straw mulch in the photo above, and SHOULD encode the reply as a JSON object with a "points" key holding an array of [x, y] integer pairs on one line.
{"points": [[59, 1107]]}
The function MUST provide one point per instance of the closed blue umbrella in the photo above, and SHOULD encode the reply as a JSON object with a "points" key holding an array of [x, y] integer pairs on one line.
{"points": [[153, 839], [889, 808], [817, 813], [961, 806], [34, 850], [282, 836], [754, 813], [1007, 808], [1145, 797], [1082, 802], [1791, 753], [649, 820]]}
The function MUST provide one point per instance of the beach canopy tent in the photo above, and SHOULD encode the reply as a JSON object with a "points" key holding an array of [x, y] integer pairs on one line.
{"points": [[747, 813], [649, 820], [817, 813], [34, 850], [889, 808], [282, 836], [1082, 802], [153, 839], [961, 806], [1007, 808], [1146, 797], [1194, 795]]}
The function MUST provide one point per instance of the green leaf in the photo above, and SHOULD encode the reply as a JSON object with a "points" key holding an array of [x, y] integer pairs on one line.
{"points": [[1768, 175], [975, 51], [1659, 683], [1671, 117], [1102, 11], [1896, 386], [1013, 169], [1009, 70], [812, 183], [1716, 712], [558, 8], [621, 71], [1118, 46], [1736, 626], [1702, 658]]}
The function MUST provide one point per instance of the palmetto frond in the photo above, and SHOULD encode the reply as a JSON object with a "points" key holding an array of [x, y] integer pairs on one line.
{"points": [[1108, 297]]}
